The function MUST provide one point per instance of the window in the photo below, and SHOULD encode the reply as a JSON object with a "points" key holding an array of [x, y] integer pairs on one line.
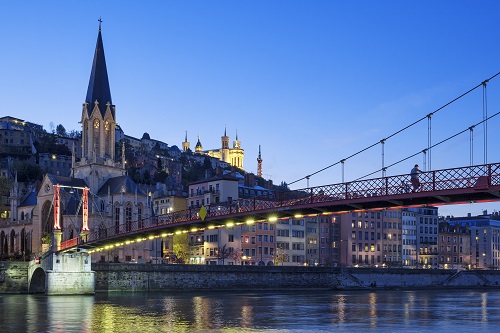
{"points": [[128, 216]]}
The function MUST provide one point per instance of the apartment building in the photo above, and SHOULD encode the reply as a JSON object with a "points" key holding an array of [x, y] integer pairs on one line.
{"points": [[427, 237], [454, 246], [409, 238], [291, 242]]}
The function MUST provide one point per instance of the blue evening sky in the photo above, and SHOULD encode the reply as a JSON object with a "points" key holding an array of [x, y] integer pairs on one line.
{"points": [[311, 81]]}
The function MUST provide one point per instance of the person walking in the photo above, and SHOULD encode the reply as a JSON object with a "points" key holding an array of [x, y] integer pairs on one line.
{"points": [[415, 182]]}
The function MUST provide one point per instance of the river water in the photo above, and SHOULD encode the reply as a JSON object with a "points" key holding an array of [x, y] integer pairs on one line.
{"points": [[305, 311]]}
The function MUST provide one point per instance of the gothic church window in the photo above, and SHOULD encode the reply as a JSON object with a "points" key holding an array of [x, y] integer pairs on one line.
{"points": [[128, 216], [96, 136]]}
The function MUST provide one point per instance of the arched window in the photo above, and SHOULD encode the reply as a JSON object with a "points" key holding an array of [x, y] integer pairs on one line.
{"points": [[107, 137], [47, 217], [102, 231], [3, 243], [85, 138], [71, 232], [140, 222], [97, 143], [117, 217], [22, 215], [12, 241], [23, 240], [128, 216], [102, 206]]}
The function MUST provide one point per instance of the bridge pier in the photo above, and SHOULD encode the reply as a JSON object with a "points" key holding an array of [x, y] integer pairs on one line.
{"points": [[61, 274]]}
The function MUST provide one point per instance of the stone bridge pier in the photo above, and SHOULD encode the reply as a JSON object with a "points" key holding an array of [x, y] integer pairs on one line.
{"points": [[61, 274]]}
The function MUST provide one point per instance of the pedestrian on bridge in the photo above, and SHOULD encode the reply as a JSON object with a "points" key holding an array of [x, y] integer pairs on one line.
{"points": [[415, 182]]}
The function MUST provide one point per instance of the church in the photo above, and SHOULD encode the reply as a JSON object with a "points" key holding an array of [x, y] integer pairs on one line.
{"points": [[98, 197], [233, 156]]}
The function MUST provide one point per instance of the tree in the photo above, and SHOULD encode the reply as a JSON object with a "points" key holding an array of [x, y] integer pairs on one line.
{"points": [[28, 171], [74, 134], [181, 248], [5, 185], [223, 253], [60, 130], [281, 256], [160, 177], [160, 166], [235, 255]]}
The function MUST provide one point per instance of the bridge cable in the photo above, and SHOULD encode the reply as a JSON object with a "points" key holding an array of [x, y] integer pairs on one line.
{"points": [[485, 124], [442, 141], [399, 131]]}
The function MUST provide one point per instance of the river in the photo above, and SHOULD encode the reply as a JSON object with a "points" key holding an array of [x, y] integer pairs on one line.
{"points": [[261, 311]]}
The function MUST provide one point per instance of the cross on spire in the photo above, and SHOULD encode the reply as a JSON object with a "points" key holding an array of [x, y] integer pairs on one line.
{"points": [[100, 21]]}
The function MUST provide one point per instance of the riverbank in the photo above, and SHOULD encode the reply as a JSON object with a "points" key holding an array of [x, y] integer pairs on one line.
{"points": [[116, 277]]}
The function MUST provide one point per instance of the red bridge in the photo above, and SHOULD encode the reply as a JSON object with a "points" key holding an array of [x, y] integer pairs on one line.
{"points": [[480, 183]]}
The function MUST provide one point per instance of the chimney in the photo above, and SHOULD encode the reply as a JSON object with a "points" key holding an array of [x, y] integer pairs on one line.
{"points": [[249, 179]]}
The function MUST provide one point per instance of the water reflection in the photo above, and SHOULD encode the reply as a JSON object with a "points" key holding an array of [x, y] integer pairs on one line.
{"points": [[380, 311]]}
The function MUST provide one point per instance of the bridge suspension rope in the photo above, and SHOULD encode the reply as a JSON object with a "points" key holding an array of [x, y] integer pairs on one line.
{"points": [[435, 145], [485, 118]]}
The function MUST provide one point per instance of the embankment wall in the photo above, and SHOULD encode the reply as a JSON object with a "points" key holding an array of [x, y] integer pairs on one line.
{"points": [[13, 277], [110, 277], [145, 277]]}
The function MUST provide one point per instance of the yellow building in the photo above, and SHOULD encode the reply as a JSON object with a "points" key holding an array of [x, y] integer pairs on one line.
{"points": [[234, 156]]}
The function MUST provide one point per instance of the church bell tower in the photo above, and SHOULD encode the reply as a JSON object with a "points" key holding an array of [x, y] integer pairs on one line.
{"points": [[98, 112], [97, 163]]}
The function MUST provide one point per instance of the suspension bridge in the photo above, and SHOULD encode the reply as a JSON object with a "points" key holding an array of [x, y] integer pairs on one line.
{"points": [[464, 184], [480, 183], [469, 184]]}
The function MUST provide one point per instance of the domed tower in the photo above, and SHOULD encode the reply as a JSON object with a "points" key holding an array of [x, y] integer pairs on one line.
{"points": [[185, 144], [199, 147]]}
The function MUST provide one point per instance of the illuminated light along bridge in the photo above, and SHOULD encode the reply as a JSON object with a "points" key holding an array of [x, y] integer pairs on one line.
{"points": [[479, 183]]}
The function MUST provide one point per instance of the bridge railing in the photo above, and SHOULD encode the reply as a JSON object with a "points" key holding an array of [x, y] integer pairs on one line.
{"points": [[438, 180]]}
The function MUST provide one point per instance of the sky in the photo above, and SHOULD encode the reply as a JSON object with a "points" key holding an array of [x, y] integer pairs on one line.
{"points": [[312, 82]]}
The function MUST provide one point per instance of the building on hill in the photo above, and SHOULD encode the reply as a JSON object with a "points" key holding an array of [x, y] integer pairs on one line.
{"points": [[16, 141], [11, 123], [55, 164], [233, 156]]}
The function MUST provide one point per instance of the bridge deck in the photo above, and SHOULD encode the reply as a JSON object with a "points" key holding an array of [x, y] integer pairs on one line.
{"points": [[479, 183]]}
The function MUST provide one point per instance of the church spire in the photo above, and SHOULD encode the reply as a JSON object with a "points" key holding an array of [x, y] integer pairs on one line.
{"points": [[98, 89]]}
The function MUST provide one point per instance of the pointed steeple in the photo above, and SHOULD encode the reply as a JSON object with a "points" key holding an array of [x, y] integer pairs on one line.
{"points": [[98, 89]]}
